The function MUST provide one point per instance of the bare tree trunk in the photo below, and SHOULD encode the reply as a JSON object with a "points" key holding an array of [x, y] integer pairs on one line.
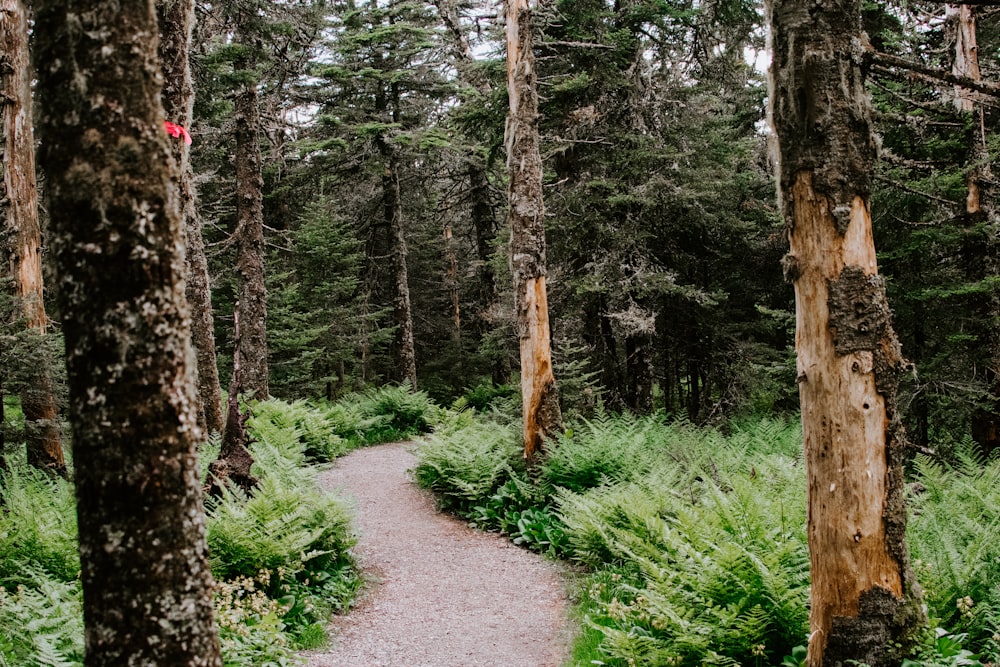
{"points": [[176, 20], [250, 242], [232, 466], [118, 239], [539, 395], [451, 283], [979, 259], [865, 601], [406, 358], [19, 222]]}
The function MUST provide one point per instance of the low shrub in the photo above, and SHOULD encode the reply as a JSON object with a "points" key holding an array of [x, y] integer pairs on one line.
{"points": [[383, 414], [313, 429], [280, 558], [468, 466], [41, 622], [37, 526]]}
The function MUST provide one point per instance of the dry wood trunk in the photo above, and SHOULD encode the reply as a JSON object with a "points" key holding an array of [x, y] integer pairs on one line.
{"points": [[19, 222], [865, 602], [117, 235], [539, 394], [965, 63], [176, 20], [250, 243]]}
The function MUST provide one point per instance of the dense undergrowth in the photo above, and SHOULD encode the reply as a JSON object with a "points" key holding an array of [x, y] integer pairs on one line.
{"points": [[694, 541], [280, 558]]}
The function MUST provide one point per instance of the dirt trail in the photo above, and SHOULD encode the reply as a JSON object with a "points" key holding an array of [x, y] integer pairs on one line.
{"points": [[443, 595]]}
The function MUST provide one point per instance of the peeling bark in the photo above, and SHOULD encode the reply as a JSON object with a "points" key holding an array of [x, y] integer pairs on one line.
{"points": [[539, 395], [118, 241], [176, 20], [19, 224], [865, 602]]}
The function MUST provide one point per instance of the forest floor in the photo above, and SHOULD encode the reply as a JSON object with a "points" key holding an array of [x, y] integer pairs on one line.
{"points": [[439, 593]]}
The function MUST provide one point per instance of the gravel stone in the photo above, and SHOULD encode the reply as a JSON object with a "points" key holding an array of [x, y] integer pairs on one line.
{"points": [[440, 594]]}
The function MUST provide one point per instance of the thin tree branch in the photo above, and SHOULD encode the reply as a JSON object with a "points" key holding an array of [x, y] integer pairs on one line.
{"points": [[897, 184], [887, 61]]}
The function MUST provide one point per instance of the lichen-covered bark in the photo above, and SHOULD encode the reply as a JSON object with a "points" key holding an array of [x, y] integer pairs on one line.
{"points": [[539, 395], [118, 242], [865, 602], [250, 243], [20, 231], [176, 21]]}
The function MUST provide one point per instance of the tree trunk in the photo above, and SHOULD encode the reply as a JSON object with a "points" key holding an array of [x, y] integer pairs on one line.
{"points": [[406, 358], [19, 222], [250, 242], [118, 239], [232, 467], [865, 601], [451, 283], [539, 394], [640, 372], [176, 20], [977, 259]]}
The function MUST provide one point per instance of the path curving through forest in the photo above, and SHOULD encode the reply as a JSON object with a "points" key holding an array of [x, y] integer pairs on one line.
{"points": [[441, 594]]}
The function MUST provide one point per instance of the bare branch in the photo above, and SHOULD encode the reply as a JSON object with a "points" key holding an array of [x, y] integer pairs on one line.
{"points": [[885, 61]]}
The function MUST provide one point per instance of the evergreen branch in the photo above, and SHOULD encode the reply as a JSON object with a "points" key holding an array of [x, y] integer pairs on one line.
{"points": [[579, 45], [912, 191]]}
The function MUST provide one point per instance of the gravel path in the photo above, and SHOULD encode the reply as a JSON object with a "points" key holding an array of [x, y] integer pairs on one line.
{"points": [[441, 594]]}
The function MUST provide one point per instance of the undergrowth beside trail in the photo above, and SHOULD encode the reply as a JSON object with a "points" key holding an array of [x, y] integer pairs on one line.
{"points": [[695, 540], [281, 558]]}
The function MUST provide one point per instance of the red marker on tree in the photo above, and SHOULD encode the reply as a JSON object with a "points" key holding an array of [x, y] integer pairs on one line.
{"points": [[176, 131]]}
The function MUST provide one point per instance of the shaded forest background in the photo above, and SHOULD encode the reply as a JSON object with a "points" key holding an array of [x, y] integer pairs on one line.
{"points": [[664, 239]]}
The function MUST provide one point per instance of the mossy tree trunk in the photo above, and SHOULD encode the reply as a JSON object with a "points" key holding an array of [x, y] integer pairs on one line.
{"points": [[118, 240], [865, 602], [539, 394], [20, 227], [176, 20]]}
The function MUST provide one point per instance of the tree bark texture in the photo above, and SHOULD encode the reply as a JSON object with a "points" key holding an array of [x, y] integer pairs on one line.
{"points": [[118, 240], [232, 467], [22, 234], [176, 20], [864, 597], [250, 243], [406, 358], [539, 394]]}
